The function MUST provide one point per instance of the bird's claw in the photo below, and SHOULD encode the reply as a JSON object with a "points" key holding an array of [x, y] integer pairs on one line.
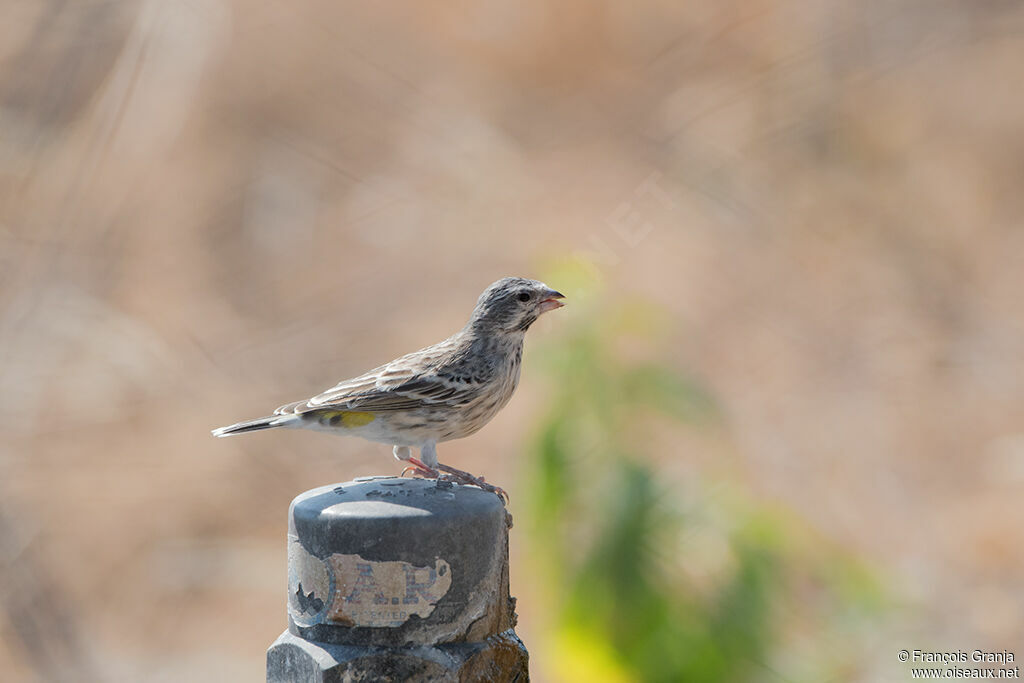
{"points": [[452, 474], [467, 478]]}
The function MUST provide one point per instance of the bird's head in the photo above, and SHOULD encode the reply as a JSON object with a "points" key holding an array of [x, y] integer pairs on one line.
{"points": [[513, 304]]}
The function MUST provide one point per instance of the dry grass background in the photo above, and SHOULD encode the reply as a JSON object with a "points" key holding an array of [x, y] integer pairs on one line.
{"points": [[209, 208]]}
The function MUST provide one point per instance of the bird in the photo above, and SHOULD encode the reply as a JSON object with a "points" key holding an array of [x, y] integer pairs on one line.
{"points": [[442, 392]]}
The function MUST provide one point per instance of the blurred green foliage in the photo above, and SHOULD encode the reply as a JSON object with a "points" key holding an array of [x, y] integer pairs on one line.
{"points": [[663, 577]]}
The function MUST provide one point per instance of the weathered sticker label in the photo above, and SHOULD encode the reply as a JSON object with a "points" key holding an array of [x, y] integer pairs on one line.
{"points": [[384, 594], [309, 584]]}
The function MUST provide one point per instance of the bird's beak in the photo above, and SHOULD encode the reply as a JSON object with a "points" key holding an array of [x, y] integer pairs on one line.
{"points": [[551, 301]]}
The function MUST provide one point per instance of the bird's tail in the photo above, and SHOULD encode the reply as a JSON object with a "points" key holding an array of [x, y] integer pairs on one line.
{"points": [[249, 426]]}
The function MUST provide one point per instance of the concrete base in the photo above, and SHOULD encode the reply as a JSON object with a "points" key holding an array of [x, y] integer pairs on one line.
{"points": [[501, 658]]}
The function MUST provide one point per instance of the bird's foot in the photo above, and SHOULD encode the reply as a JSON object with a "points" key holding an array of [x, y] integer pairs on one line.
{"points": [[446, 473], [467, 478], [419, 469]]}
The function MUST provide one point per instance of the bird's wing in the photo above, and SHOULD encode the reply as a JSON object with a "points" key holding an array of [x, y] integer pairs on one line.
{"points": [[407, 383], [418, 392]]}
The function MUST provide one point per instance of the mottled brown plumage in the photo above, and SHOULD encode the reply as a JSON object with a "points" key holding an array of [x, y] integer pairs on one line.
{"points": [[443, 392]]}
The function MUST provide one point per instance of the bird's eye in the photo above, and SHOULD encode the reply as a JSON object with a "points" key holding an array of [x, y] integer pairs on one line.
{"points": [[523, 296]]}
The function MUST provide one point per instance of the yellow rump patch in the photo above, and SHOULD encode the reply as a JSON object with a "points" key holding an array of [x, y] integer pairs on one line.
{"points": [[346, 418]]}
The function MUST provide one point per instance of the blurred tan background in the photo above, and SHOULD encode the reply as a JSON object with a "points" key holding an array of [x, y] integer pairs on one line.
{"points": [[211, 208]]}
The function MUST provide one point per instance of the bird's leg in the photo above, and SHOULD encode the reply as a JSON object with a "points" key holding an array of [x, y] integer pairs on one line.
{"points": [[466, 478], [426, 465], [428, 454], [405, 455], [422, 470]]}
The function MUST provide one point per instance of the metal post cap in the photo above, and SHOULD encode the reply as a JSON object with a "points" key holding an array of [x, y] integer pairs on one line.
{"points": [[385, 561]]}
